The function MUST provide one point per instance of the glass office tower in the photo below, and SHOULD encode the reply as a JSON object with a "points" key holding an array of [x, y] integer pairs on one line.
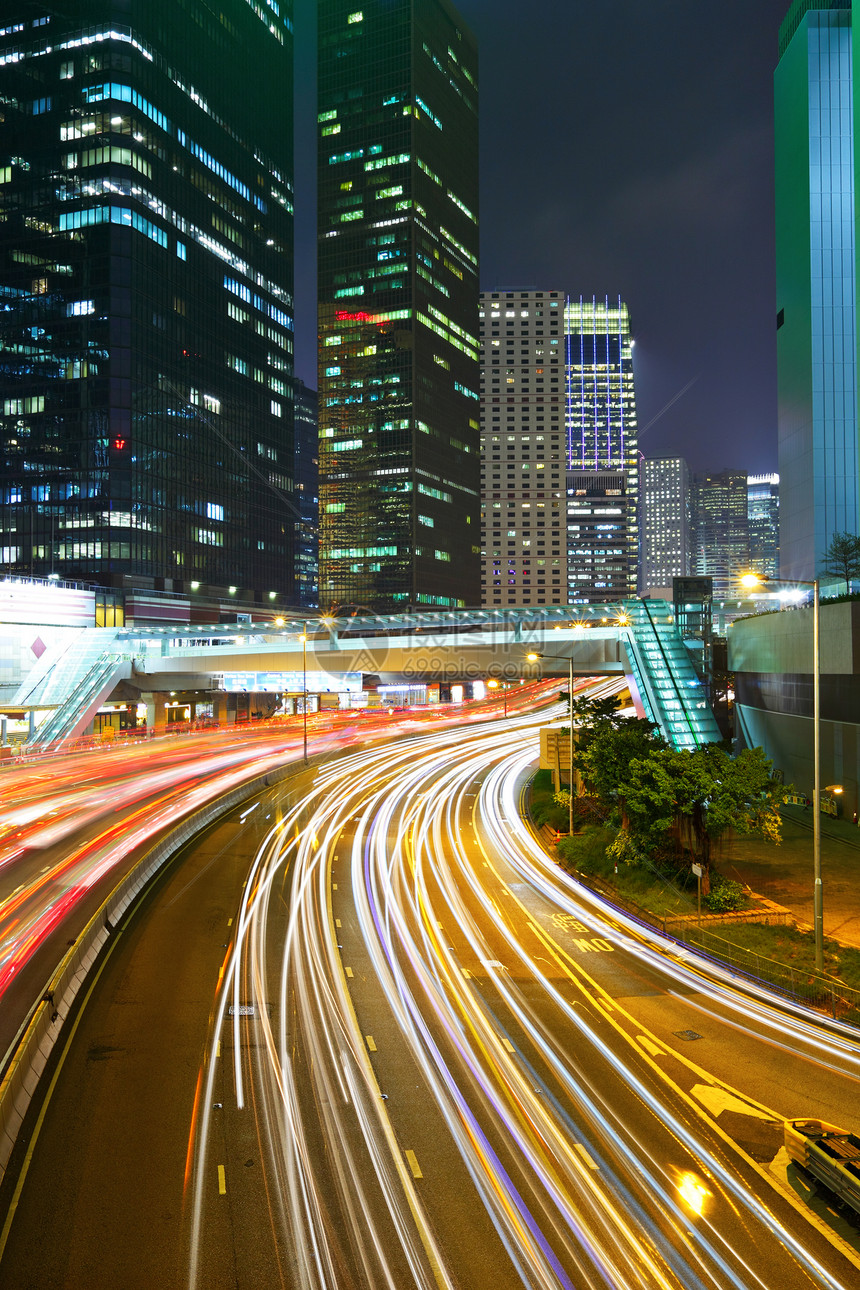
{"points": [[721, 544], [602, 453], [146, 277], [398, 305], [763, 524], [816, 269]]}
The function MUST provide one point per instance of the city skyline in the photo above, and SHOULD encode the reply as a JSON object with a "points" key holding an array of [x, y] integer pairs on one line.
{"points": [[680, 224]]}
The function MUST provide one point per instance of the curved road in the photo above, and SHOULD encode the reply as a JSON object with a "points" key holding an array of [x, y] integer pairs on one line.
{"points": [[366, 1034]]}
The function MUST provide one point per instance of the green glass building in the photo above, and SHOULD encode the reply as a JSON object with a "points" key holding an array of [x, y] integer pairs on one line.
{"points": [[398, 305], [816, 269], [146, 279]]}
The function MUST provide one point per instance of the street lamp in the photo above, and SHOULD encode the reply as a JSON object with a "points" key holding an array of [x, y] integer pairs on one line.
{"points": [[303, 638], [757, 580], [561, 658]]}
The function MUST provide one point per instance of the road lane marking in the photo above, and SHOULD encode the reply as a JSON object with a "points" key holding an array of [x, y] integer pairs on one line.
{"points": [[466, 973], [229, 922], [592, 1164], [508, 1045], [717, 1100], [412, 1161], [222, 1181], [371, 1045], [348, 971], [334, 886], [218, 1048], [653, 1050], [337, 922]]}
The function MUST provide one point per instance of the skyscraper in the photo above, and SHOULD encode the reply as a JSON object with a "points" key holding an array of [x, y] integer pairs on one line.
{"points": [[720, 529], [398, 296], [816, 268], [307, 495], [665, 519], [146, 275], [763, 523], [603, 458], [523, 448]]}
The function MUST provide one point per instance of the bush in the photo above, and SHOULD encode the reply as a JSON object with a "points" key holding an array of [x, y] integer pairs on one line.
{"points": [[725, 895], [586, 851]]}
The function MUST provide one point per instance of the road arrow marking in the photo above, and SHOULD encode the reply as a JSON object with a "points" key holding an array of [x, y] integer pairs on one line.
{"points": [[716, 1100]]}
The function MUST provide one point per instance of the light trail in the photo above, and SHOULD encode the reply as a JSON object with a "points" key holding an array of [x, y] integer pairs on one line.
{"points": [[590, 1165]]}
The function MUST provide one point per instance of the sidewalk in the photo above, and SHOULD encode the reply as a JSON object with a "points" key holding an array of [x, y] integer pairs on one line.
{"points": [[784, 874]]}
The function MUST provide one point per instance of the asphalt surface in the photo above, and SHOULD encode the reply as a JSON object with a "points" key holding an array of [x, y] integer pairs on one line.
{"points": [[450, 1068]]}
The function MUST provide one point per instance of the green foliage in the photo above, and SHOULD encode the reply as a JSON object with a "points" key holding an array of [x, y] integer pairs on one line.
{"points": [[842, 557], [725, 895], [562, 798], [625, 848], [586, 851], [542, 805], [604, 754]]}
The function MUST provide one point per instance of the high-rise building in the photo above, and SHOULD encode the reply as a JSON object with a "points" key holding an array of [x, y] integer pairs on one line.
{"points": [[763, 522], [665, 522], [307, 496], [603, 458], [720, 529], [523, 448], [816, 270], [146, 275], [398, 296]]}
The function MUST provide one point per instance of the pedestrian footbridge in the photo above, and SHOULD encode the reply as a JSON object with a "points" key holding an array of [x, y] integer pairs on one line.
{"points": [[634, 637]]}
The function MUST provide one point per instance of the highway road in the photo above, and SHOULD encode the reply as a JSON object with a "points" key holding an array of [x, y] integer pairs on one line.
{"points": [[72, 825], [365, 1033]]}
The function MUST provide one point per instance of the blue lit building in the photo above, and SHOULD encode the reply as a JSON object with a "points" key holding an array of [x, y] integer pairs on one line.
{"points": [[816, 282], [602, 453], [146, 278]]}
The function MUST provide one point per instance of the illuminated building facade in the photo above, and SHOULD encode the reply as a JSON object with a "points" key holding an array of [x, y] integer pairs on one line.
{"points": [[602, 453], [721, 529], [763, 524], [398, 293], [665, 521], [523, 448], [146, 278], [816, 276], [307, 497]]}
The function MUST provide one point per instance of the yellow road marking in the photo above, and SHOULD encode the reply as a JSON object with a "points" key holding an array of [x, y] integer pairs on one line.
{"points": [[229, 922], [653, 1050], [467, 974], [337, 922], [412, 1161], [371, 1045], [218, 1048], [334, 886], [348, 971], [222, 1181], [508, 1045], [592, 1164]]}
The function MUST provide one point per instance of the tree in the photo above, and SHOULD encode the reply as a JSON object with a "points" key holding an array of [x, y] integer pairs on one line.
{"points": [[842, 557], [691, 800]]}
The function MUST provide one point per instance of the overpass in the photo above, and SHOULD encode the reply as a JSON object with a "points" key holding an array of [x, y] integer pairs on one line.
{"points": [[635, 637]]}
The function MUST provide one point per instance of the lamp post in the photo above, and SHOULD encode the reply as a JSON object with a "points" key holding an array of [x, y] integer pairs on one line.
{"points": [[756, 580], [561, 658], [304, 641]]}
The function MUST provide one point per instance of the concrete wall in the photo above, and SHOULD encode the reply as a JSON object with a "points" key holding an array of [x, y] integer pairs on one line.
{"points": [[781, 644]]}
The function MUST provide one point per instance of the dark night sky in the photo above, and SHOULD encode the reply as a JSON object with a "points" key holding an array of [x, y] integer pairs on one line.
{"points": [[626, 148]]}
